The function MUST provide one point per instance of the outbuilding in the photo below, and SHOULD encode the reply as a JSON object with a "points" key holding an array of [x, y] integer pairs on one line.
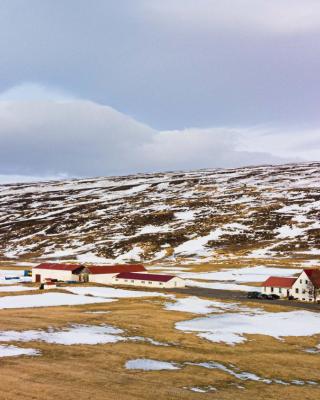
{"points": [[105, 273], [60, 272], [148, 280], [278, 285], [76, 272]]}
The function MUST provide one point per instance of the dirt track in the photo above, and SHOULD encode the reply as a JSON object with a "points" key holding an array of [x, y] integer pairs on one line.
{"points": [[241, 296]]}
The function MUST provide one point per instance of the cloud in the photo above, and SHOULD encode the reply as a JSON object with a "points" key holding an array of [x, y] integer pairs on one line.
{"points": [[295, 144], [272, 16], [83, 138], [170, 63], [203, 148], [76, 137], [29, 91]]}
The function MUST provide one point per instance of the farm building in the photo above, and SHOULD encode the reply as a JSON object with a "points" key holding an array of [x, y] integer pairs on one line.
{"points": [[128, 274], [306, 287], [105, 274], [149, 280], [60, 272], [278, 285], [82, 273]]}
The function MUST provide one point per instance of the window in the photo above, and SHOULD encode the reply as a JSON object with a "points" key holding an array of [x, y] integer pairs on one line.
{"points": [[280, 290], [303, 291], [142, 281], [300, 280], [297, 290], [117, 280], [310, 291], [150, 283], [271, 289], [306, 282], [126, 280], [160, 283], [132, 281]]}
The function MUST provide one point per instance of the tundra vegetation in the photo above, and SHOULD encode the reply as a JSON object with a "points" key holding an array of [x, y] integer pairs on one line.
{"points": [[239, 223]]}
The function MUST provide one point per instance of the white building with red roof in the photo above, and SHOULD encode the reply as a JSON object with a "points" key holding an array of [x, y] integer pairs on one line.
{"points": [[305, 287], [148, 280], [127, 274], [61, 272], [278, 285], [105, 273], [76, 272]]}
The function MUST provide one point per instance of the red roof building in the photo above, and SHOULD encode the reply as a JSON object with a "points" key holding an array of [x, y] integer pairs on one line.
{"points": [[59, 267], [314, 276], [279, 282], [103, 274], [115, 269], [145, 277]]}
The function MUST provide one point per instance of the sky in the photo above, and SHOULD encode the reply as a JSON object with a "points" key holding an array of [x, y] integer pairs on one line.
{"points": [[113, 87]]}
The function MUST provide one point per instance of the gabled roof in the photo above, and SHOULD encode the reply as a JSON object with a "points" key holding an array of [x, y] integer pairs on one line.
{"points": [[59, 267], [114, 269], [314, 276], [279, 282], [145, 277]]}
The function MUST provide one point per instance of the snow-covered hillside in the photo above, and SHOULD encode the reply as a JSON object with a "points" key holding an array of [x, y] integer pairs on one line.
{"points": [[253, 212]]}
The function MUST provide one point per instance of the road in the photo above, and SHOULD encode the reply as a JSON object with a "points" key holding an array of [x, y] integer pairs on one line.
{"points": [[241, 296]]}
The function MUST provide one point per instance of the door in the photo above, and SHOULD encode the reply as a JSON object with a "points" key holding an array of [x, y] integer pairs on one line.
{"points": [[38, 278], [84, 277]]}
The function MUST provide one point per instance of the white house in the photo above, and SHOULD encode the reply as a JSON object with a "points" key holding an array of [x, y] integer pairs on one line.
{"points": [[307, 285], [60, 272], [282, 287], [148, 280]]}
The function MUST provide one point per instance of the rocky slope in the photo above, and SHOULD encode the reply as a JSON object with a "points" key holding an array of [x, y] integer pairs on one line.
{"points": [[253, 212]]}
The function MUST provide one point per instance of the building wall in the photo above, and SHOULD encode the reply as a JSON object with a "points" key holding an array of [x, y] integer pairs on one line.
{"points": [[175, 282], [53, 274], [301, 288], [282, 292], [106, 279], [47, 287]]}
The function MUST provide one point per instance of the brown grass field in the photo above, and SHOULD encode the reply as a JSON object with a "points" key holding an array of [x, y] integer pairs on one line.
{"points": [[81, 372], [97, 372]]}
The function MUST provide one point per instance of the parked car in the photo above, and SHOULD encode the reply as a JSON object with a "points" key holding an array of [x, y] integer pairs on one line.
{"points": [[263, 296], [274, 297], [253, 295]]}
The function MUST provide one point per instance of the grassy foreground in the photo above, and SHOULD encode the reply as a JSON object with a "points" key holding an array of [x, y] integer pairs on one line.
{"points": [[97, 372]]}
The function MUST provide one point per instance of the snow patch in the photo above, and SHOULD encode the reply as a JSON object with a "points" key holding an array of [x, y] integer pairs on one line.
{"points": [[109, 292], [150, 365], [230, 327], [48, 300], [246, 274], [13, 351], [76, 334]]}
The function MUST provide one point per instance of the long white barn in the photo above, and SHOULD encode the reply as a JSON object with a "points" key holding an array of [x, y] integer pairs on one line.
{"points": [[128, 274], [149, 280], [81, 273]]}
